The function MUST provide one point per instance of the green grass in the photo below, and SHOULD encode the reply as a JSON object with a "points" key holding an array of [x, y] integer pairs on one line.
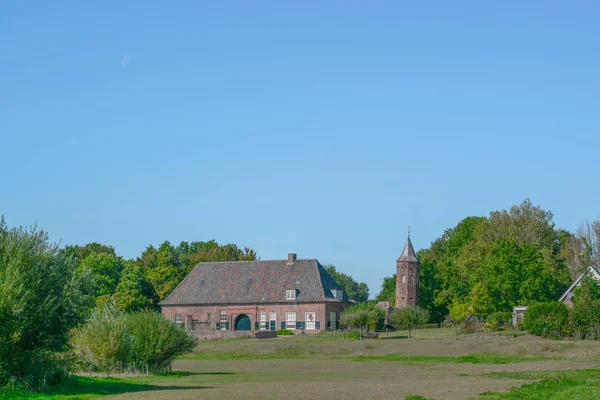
{"points": [[80, 388], [473, 359], [552, 385], [83, 388]]}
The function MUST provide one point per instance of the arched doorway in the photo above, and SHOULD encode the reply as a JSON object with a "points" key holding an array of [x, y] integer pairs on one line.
{"points": [[242, 323]]}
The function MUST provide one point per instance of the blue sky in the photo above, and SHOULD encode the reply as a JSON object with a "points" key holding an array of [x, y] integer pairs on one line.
{"points": [[321, 128]]}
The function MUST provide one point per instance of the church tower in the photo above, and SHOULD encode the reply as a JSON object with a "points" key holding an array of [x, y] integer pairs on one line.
{"points": [[408, 268]]}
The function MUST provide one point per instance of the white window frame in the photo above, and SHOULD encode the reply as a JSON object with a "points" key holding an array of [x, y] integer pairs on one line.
{"points": [[262, 320], [178, 319], [290, 294], [290, 320], [403, 278], [309, 320], [223, 320]]}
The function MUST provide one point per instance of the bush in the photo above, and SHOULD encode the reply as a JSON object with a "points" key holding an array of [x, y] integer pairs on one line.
{"points": [[145, 340], [156, 341], [496, 321], [547, 319], [284, 332]]}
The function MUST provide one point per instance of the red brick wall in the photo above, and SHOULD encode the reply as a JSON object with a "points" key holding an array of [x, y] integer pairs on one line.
{"points": [[212, 313]]}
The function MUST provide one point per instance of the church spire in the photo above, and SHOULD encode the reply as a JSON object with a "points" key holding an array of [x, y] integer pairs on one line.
{"points": [[408, 254]]}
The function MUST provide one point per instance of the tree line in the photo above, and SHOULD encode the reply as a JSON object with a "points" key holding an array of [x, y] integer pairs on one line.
{"points": [[489, 264]]}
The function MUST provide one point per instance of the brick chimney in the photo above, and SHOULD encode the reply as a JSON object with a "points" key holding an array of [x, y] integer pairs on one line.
{"points": [[291, 258]]}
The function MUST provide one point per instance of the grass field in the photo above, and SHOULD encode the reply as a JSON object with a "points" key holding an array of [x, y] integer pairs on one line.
{"points": [[437, 365]]}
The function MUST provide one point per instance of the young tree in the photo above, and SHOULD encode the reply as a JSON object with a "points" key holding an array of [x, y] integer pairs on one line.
{"points": [[363, 316], [409, 317]]}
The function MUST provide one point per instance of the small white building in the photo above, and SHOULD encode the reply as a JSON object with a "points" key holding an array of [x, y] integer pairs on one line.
{"points": [[518, 313]]}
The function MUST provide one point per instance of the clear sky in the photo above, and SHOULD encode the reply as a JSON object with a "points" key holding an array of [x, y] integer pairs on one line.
{"points": [[321, 128]]}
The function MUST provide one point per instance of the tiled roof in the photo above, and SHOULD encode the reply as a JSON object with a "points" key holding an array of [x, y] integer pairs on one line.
{"points": [[260, 281], [408, 254]]}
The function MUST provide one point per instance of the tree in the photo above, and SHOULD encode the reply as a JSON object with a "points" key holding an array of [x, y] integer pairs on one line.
{"points": [[409, 317], [353, 289], [489, 264], [134, 293], [163, 268], [388, 290], [363, 316], [40, 301], [104, 271], [582, 249]]}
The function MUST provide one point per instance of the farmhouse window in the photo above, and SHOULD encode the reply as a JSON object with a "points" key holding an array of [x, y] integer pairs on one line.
{"points": [[273, 321], [262, 318], [223, 320], [290, 294], [310, 320], [290, 320], [178, 318]]}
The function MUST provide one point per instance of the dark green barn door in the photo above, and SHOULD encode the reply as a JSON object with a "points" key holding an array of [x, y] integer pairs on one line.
{"points": [[242, 323]]}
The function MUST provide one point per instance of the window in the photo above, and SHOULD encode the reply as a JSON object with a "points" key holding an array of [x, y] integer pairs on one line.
{"points": [[262, 319], [273, 316], [290, 295], [332, 320], [223, 320], [403, 278], [412, 279], [178, 318], [310, 320], [290, 320]]}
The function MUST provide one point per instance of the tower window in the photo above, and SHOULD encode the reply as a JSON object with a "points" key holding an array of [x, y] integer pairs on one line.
{"points": [[403, 278], [412, 279]]}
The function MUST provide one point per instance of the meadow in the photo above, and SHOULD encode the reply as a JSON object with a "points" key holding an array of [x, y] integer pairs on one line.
{"points": [[438, 364]]}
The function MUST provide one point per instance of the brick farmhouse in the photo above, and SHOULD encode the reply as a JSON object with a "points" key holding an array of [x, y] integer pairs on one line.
{"points": [[295, 294]]}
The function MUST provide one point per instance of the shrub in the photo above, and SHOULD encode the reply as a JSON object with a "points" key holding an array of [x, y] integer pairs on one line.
{"points": [[156, 341], [496, 321], [547, 319], [103, 341], [284, 332], [143, 340]]}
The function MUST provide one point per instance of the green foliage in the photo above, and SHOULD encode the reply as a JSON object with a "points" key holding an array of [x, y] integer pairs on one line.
{"points": [[585, 315], [353, 289], [155, 341], [284, 332], [164, 268], [134, 293], [547, 319], [410, 317], [388, 290], [363, 316], [103, 341], [104, 272], [40, 301], [489, 264], [112, 338], [496, 321]]}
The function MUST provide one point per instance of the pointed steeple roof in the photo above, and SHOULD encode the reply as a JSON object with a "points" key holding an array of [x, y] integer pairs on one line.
{"points": [[408, 254]]}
